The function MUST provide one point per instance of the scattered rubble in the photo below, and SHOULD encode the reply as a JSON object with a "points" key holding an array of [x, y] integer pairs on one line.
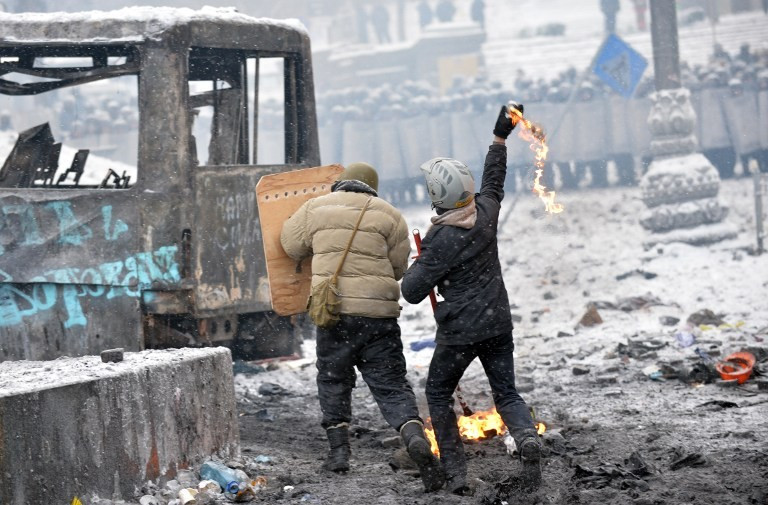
{"points": [[425, 343], [637, 272], [705, 316], [682, 460], [112, 355], [591, 317], [640, 349], [669, 320], [631, 303], [269, 389]]}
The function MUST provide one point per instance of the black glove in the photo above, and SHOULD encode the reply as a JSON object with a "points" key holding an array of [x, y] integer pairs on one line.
{"points": [[507, 120]]}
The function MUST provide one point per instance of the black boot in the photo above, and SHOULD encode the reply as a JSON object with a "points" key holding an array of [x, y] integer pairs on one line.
{"points": [[530, 457], [458, 485], [432, 475], [338, 457]]}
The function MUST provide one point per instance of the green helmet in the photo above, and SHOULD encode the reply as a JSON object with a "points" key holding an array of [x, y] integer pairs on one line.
{"points": [[362, 172]]}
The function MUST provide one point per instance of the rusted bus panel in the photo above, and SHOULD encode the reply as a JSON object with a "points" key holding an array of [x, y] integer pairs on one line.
{"points": [[73, 265], [164, 189], [45, 321], [165, 119], [70, 237], [167, 302], [265, 37], [229, 267], [307, 136]]}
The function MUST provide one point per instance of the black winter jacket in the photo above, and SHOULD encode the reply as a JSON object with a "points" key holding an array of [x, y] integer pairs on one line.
{"points": [[464, 265]]}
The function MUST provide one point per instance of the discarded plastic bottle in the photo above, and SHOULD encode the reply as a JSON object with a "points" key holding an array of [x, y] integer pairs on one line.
{"points": [[222, 474]]}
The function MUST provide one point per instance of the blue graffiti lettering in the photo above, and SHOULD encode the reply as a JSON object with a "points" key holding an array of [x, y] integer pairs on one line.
{"points": [[166, 258], [48, 300], [118, 228], [69, 293], [110, 273], [21, 225], [67, 285], [131, 285], [9, 309], [90, 279], [71, 231], [26, 222]]}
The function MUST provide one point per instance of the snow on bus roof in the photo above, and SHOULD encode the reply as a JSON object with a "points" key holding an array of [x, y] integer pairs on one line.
{"points": [[130, 24]]}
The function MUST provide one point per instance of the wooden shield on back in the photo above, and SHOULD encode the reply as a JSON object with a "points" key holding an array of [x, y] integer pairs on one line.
{"points": [[278, 197]]}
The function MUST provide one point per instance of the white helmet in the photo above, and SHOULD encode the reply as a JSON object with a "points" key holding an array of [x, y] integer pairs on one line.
{"points": [[449, 183]]}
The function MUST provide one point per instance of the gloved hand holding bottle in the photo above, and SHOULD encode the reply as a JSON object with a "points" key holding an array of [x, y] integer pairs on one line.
{"points": [[507, 119]]}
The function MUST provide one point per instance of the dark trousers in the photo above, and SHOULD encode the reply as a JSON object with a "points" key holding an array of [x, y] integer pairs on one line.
{"points": [[374, 347], [448, 365]]}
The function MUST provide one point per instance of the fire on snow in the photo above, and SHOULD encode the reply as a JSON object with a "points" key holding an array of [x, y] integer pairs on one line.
{"points": [[479, 426], [533, 134]]}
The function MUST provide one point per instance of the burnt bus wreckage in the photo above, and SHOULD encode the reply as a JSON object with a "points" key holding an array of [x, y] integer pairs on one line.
{"points": [[128, 215]]}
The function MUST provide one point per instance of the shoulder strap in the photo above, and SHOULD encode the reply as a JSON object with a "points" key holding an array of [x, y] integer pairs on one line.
{"points": [[349, 244]]}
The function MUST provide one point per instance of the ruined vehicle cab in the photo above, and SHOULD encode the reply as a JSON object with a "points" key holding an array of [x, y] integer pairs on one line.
{"points": [[132, 143]]}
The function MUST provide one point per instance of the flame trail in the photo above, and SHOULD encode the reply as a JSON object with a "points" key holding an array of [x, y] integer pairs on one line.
{"points": [[533, 134]]}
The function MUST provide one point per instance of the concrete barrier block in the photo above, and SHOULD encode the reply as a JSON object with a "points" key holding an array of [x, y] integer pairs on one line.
{"points": [[78, 426]]}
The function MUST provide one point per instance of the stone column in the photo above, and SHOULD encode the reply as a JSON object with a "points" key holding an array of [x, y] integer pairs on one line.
{"points": [[681, 186]]}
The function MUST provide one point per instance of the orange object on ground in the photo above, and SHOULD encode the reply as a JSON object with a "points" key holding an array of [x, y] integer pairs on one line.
{"points": [[736, 366]]}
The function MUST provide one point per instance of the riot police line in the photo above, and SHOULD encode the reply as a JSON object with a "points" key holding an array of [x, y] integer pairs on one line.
{"points": [[599, 139]]}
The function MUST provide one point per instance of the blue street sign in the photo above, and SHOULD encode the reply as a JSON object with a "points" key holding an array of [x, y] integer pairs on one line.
{"points": [[619, 66]]}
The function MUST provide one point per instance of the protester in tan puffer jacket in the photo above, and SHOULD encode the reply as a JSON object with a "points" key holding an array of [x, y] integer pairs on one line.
{"points": [[367, 335], [377, 259]]}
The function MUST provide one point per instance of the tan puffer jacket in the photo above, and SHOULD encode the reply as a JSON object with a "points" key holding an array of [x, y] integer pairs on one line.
{"points": [[377, 259]]}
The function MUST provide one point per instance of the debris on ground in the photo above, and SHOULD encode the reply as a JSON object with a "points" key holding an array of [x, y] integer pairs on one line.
{"points": [[244, 367], [636, 272], [631, 303], [591, 317], [628, 474], [680, 460], [424, 343], [685, 338], [640, 349], [706, 317], [737, 366], [669, 320], [113, 355], [270, 389], [701, 372], [216, 483], [718, 405]]}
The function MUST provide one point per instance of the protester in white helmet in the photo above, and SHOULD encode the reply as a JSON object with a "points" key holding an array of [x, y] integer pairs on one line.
{"points": [[460, 257]]}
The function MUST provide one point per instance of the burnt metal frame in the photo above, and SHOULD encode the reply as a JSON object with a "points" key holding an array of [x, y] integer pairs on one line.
{"points": [[296, 137], [66, 76]]}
